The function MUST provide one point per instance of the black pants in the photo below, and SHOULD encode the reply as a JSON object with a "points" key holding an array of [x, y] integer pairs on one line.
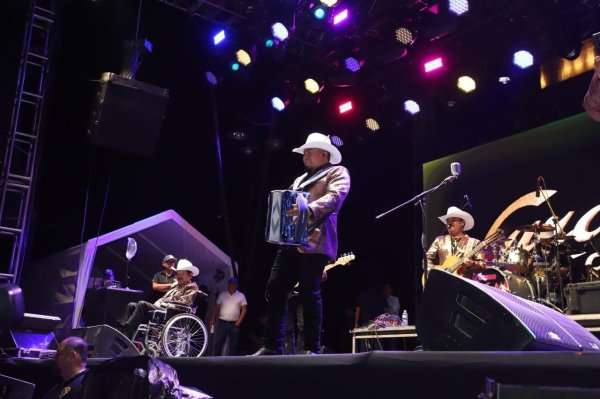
{"points": [[140, 315], [289, 268]]}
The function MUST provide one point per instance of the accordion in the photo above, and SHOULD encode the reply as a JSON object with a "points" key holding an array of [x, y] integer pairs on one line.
{"points": [[282, 229]]}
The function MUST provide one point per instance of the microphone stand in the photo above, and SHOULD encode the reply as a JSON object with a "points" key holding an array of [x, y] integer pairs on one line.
{"points": [[421, 200], [557, 230]]}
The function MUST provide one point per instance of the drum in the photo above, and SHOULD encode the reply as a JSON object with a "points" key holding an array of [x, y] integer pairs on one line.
{"points": [[515, 259], [506, 281], [545, 281]]}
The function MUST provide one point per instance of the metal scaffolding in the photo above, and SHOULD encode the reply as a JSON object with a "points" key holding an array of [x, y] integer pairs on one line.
{"points": [[21, 155]]}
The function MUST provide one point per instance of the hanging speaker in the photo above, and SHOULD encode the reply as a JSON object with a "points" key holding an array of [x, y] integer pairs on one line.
{"points": [[127, 115], [105, 341], [459, 314]]}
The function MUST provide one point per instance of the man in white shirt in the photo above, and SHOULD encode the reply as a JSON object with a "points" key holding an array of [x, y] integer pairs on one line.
{"points": [[230, 309]]}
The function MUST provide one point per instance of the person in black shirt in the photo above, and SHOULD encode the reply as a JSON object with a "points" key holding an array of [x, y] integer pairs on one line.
{"points": [[164, 279], [71, 360]]}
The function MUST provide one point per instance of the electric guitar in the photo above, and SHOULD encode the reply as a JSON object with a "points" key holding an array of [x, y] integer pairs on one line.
{"points": [[454, 264], [342, 260]]}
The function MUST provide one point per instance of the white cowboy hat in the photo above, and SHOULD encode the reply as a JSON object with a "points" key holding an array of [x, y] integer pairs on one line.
{"points": [[454, 212], [319, 140], [185, 264]]}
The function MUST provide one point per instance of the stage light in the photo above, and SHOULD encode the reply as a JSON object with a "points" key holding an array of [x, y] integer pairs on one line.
{"points": [[404, 36], [278, 104], [372, 124], [340, 16], [238, 135], [336, 141], [329, 3], [345, 107], [269, 43], [466, 84], [523, 59], [352, 64], [243, 57], [211, 78], [319, 12], [504, 80], [458, 7], [279, 31], [234, 66], [311, 86], [411, 107], [219, 37], [433, 65]]}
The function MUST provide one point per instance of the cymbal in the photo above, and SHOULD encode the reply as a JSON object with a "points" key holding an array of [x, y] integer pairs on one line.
{"points": [[559, 237], [536, 228]]}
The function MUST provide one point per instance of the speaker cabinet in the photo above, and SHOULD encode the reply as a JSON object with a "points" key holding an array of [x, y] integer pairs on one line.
{"points": [[104, 341], [460, 314], [127, 115]]}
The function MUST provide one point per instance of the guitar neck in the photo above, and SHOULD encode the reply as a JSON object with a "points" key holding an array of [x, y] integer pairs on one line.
{"points": [[474, 251]]}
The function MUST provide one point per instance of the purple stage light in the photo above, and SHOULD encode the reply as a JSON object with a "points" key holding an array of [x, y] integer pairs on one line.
{"points": [[340, 16], [352, 64], [211, 78]]}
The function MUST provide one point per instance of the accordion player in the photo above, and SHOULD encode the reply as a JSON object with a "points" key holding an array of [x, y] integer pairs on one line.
{"points": [[287, 230]]}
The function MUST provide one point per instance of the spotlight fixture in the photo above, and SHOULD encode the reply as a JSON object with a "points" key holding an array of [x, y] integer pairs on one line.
{"points": [[311, 86], [234, 66], [433, 65], [237, 135], [466, 84], [219, 37], [411, 107], [523, 59], [211, 78], [340, 16], [345, 107], [279, 31], [372, 124], [336, 141], [503, 80], [352, 64], [458, 7], [319, 12], [243, 57], [329, 3], [278, 104], [269, 43], [404, 36]]}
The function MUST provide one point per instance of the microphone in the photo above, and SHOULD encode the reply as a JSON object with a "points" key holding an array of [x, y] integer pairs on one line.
{"points": [[538, 186], [468, 203], [455, 169]]}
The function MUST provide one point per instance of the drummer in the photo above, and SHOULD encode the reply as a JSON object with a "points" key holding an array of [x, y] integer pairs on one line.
{"points": [[457, 244]]}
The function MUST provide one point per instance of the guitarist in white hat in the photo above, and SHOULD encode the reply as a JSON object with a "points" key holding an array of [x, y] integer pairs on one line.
{"points": [[454, 250]]}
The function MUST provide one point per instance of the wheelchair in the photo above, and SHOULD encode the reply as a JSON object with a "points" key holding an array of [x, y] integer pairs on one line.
{"points": [[173, 332]]}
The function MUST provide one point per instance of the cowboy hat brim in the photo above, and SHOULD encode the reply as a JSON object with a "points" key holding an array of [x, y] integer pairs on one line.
{"points": [[454, 212], [190, 268], [335, 154]]}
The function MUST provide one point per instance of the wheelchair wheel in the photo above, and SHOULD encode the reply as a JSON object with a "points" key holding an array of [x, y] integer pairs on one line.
{"points": [[184, 335]]}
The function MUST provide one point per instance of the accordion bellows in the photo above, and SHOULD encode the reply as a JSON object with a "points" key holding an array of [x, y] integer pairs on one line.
{"points": [[282, 229]]}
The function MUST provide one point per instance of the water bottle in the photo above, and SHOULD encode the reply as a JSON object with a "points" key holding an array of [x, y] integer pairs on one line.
{"points": [[404, 318]]}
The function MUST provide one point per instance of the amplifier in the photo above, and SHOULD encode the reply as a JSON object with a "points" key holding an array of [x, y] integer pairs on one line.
{"points": [[583, 298]]}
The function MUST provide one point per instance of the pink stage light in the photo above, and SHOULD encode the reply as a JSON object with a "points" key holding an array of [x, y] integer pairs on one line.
{"points": [[433, 65], [345, 107], [340, 16]]}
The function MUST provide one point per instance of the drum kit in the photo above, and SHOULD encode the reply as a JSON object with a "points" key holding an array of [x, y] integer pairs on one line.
{"points": [[533, 274]]}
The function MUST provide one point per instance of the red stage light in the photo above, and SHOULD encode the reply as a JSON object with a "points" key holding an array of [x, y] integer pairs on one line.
{"points": [[345, 107]]}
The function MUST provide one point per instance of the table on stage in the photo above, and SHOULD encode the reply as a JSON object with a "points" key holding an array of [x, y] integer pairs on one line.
{"points": [[382, 332]]}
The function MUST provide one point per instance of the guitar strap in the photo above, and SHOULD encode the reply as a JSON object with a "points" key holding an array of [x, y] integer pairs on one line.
{"points": [[311, 180]]}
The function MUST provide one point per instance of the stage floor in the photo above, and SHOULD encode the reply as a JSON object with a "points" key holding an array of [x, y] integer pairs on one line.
{"points": [[372, 374]]}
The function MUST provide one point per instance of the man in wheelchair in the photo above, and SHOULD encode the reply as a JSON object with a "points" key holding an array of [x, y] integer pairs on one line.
{"points": [[184, 291]]}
